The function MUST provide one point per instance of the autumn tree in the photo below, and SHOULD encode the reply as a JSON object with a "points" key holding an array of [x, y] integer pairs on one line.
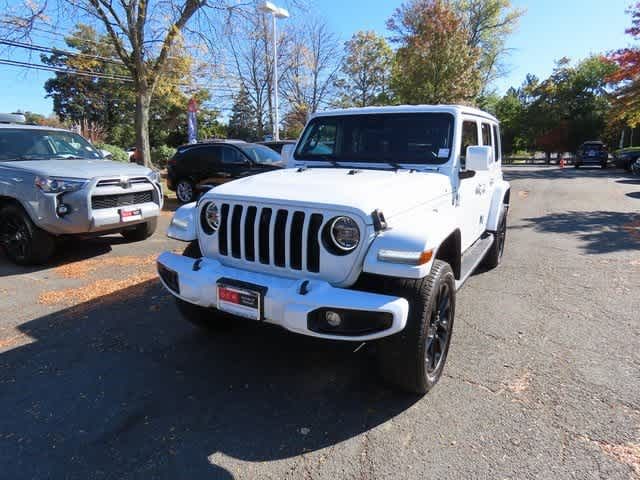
{"points": [[143, 33], [101, 106], [626, 98], [488, 24], [311, 70], [366, 69], [434, 62]]}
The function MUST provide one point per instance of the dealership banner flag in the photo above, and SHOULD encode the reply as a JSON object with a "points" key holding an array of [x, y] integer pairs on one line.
{"points": [[192, 121]]}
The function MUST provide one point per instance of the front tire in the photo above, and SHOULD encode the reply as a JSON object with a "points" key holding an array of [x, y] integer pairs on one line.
{"points": [[141, 232], [23, 242], [185, 191], [207, 319], [413, 359]]}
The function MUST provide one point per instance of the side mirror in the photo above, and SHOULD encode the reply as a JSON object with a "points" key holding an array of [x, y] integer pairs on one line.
{"points": [[479, 158], [287, 154], [107, 155]]}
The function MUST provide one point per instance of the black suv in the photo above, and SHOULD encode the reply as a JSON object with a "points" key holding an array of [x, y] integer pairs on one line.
{"points": [[592, 153], [198, 166]]}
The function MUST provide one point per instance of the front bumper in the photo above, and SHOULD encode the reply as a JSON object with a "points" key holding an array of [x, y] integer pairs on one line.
{"points": [[284, 304], [82, 218]]}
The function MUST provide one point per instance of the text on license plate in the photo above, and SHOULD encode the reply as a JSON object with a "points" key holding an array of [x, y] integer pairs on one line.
{"points": [[239, 301], [130, 215]]}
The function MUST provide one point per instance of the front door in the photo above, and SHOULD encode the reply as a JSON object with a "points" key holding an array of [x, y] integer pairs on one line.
{"points": [[469, 194]]}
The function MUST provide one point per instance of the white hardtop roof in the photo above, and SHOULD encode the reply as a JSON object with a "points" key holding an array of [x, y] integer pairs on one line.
{"points": [[23, 126], [454, 109]]}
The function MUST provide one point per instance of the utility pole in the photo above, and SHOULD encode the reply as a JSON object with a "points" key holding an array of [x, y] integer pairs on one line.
{"points": [[276, 12]]}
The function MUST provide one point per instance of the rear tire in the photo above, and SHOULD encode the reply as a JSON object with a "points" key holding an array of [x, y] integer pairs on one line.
{"points": [[141, 232], [208, 319], [23, 242], [494, 255], [413, 360]]}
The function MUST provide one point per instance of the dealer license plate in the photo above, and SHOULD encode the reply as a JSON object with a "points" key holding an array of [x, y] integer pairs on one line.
{"points": [[130, 215], [240, 299]]}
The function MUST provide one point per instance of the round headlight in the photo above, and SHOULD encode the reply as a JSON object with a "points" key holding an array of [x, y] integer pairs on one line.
{"points": [[344, 233], [210, 218]]}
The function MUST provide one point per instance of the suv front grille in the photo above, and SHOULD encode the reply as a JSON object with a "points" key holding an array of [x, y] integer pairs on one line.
{"points": [[99, 202], [270, 236], [111, 182]]}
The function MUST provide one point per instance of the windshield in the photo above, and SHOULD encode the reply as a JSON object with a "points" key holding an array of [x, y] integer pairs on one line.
{"points": [[36, 144], [261, 154], [414, 138]]}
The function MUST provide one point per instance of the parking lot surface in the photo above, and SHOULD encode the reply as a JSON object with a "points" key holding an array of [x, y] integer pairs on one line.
{"points": [[100, 378]]}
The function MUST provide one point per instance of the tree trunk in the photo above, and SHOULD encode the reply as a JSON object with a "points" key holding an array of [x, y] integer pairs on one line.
{"points": [[143, 103]]}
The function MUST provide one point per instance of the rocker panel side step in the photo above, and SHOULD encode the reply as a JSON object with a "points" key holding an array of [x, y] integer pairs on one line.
{"points": [[473, 256]]}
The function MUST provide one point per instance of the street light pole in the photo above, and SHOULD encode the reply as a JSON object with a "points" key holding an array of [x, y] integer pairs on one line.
{"points": [[276, 13]]}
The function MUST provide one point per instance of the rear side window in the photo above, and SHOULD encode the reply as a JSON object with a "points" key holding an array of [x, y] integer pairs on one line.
{"points": [[200, 157], [497, 147], [231, 156]]}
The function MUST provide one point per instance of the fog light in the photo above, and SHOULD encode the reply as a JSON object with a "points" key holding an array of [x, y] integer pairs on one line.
{"points": [[63, 209], [333, 319]]}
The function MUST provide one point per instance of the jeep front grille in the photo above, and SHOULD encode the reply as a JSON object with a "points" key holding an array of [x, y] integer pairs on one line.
{"points": [[99, 202], [271, 236]]}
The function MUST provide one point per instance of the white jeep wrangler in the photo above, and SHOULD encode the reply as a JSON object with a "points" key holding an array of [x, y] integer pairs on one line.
{"points": [[382, 217]]}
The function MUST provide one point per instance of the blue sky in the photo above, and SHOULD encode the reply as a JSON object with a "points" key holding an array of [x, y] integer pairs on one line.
{"points": [[549, 30]]}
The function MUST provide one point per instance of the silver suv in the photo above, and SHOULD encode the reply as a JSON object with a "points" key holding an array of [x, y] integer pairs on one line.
{"points": [[54, 183]]}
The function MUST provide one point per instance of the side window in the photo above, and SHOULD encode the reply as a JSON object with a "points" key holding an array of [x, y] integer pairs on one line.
{"points": [[231, 156], [497, 144], [469, 139], [486, 135]]}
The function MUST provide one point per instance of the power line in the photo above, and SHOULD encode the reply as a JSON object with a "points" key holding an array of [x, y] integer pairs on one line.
{"points": [[40, 48], [88, 73], [49, 68]]}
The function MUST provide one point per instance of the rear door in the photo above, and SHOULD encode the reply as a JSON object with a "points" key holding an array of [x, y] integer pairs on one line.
{"points": [[487, 179], [234, 164], [210, 165]]}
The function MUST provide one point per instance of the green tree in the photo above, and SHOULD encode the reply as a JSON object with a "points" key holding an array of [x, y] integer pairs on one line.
{"points": [[242, 123], [366, 69], [560, 112], [434, 62]]}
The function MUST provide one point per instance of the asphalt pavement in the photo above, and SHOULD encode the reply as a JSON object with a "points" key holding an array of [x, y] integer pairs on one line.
{"points": [[100, 378]]}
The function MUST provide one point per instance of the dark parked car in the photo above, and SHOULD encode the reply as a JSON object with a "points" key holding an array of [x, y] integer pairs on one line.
{"points": [[277, 145], [199, 166], [626, 157], [592, 153]]}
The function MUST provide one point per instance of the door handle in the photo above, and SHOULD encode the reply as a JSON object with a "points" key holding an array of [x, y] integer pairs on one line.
{"points": [[480, 189]]}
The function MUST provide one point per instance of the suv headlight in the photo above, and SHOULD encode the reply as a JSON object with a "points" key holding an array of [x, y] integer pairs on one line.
{"points": [[343, 235], [58, 184], [210, 218], [154, 176]]}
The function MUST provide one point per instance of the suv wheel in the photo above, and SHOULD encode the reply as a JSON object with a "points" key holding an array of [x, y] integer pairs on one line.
{"points": [[23, 242], [141, 232], [414, 359], [185, 191], [494, 255], [208, 319]]}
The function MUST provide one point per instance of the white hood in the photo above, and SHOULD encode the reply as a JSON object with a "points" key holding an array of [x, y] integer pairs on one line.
{"points": [[363, 191]]}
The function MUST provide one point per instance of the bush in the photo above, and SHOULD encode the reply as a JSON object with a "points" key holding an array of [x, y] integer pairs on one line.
{"points": [[119, 154], [161, 154]]}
